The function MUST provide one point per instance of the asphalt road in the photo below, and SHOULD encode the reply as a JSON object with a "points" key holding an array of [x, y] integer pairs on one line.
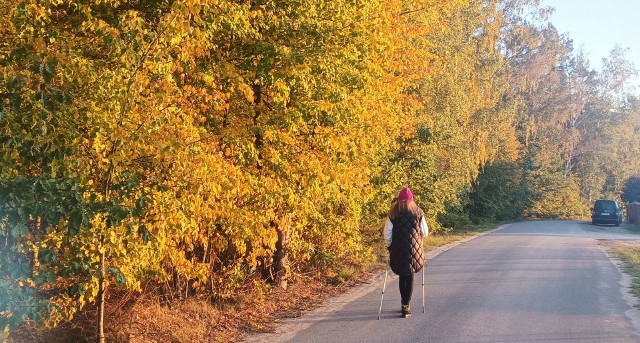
{"points": [[545, 281]]}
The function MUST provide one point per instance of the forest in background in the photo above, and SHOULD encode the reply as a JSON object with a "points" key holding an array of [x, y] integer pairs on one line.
{"points": [[205, 145]]}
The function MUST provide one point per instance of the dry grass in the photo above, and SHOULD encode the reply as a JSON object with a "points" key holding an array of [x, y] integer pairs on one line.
{"points": [[434, 241], [627, 251], [149, 321], [438, 240], [146, 320], [629, 254]]}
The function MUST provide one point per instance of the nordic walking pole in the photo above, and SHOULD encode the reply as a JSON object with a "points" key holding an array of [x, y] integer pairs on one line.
{"points": [[386, 271], [423, 271]]}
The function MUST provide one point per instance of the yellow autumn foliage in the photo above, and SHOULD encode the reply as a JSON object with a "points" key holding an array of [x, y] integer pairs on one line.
{"points": [[198, 144]]}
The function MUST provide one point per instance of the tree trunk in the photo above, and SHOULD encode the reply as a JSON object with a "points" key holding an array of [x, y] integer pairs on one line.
{"points": [[102, 280], [280, 258], [101, 291]]}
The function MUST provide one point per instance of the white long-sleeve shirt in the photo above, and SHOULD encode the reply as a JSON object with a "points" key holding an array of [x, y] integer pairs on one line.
{"points": [[388, 230]]}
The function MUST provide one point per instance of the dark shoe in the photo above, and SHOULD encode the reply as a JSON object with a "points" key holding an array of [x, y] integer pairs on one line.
{"points": [[406, 311]]}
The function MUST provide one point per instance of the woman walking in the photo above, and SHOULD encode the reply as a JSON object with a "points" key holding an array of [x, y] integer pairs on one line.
{"points": [[404, 230]]}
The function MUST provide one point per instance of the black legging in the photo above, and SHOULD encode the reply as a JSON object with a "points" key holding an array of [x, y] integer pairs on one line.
{"points": [[406, 288]]}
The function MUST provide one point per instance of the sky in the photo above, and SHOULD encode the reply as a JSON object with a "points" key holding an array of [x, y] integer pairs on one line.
{"points": [[597, 25]]}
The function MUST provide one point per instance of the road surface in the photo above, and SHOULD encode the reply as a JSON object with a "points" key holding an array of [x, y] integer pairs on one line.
{"points": [[543, 281]]}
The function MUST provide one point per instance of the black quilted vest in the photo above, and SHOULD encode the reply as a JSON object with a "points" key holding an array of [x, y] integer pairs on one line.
{"points": [[406, 253]]}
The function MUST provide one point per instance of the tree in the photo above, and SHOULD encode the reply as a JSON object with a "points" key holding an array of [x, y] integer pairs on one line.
{"points": [[200, 145], [498, 193], [631, 190]]}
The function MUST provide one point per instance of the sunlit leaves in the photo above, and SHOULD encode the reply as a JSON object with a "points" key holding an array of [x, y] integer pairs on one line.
{"points": [[198, 144]]}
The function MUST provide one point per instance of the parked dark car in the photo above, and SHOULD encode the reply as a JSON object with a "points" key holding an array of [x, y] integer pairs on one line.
{"points": [[606, 212]]}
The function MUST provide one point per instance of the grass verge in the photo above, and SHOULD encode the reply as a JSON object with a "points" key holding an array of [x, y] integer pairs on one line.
{"points": [[438, 240], [630, 256]]}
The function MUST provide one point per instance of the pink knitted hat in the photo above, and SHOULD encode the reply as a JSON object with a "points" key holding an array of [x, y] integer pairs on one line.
{"points": [[405, 195]]}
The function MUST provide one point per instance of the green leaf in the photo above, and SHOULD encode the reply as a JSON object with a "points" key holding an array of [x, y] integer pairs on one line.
{"points": [[44, 276], [19, 229], [76, 220], [120, 278], [144, 233], [47, 71], [77, 289], [46, 255]]}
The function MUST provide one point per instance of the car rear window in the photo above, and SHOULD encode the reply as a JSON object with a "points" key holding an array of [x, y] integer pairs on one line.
{"points": [[605, 205]]}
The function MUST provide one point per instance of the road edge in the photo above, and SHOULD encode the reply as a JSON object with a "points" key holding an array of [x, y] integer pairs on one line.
{"points": [[288, 328], [625, 289]]}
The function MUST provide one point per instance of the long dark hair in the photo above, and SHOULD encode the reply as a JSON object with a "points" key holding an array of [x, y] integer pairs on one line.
{"points": [[400, 206]]}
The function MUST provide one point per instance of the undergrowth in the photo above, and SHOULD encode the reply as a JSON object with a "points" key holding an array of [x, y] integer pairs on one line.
{"points": [[143, 318]]}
